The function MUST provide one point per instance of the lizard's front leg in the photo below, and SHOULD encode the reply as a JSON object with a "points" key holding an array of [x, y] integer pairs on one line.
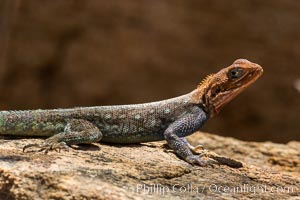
{"points": [[184, 126], [76, 131]]}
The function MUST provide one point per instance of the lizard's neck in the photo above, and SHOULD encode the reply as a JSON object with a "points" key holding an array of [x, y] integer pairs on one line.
{"points": [[198, 97]]}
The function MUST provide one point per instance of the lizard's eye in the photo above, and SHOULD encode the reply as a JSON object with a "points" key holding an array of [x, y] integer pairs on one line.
{"points": [[235, 73]]}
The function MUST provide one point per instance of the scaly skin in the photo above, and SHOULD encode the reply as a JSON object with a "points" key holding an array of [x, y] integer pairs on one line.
{"points": [[169, 120]]}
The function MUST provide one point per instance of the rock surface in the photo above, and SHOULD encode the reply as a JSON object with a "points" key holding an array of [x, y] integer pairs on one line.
{"points": [[104, 171]]}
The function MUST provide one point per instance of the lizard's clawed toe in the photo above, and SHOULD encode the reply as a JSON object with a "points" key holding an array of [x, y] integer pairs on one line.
{"points": [[197, 160], [58, 146], [198, 149], [47, 146], [31, 145]]}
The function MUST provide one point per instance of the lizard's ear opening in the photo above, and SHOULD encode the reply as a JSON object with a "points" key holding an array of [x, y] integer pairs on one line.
{"points": [[215, 91], [235, 73]]}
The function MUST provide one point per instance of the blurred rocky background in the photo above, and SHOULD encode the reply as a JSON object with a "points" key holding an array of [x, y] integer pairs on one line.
{"points": [[66, 53]]}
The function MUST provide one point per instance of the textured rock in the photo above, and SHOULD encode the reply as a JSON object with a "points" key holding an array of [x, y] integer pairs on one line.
{"points": [[103, 171]]}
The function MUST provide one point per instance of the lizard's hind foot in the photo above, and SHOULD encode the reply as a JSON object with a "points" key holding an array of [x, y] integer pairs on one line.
{"points": [[47, 146], [76, 131]]}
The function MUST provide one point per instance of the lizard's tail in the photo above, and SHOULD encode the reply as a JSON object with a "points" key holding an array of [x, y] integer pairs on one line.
{"points": [[27, 123]]}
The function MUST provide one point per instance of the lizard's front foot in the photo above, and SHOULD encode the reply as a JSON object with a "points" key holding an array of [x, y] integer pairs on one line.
{"points": [[48, 146], [195, 149], [195, 159]]}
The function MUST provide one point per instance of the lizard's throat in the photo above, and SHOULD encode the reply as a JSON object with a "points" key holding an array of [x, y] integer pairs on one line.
{"points": [[217, 103]]}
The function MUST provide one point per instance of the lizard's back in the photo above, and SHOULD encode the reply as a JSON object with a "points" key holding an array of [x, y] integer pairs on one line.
{"points": [[120, 124]]}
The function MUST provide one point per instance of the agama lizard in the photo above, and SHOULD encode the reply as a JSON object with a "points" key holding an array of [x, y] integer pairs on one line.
{"points": [[169, 120]]}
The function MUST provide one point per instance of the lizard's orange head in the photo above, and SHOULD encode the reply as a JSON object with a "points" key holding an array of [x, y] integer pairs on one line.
{"points": [[220, 88]]}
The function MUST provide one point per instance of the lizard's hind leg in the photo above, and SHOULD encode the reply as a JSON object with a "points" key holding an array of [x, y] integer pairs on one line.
{"points": [[76, 131]]}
